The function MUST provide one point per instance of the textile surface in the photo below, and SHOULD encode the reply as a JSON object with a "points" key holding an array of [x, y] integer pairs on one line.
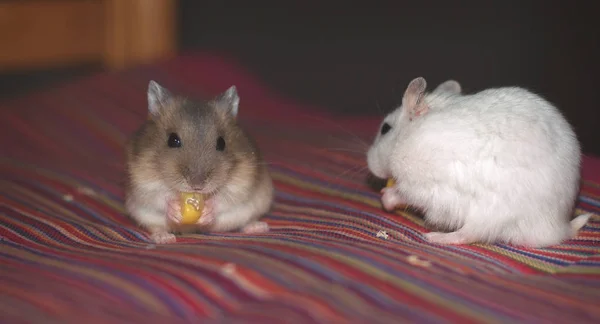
{"points": [[69, 252]]}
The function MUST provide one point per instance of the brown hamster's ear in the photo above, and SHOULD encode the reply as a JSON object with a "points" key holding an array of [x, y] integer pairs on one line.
{"points": [[450, 86], [228, 101], [158, 97], [412, 100]]}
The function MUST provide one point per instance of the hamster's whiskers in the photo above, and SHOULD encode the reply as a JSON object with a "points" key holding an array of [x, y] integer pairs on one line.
{"points": [[379, 107], [343, 150], [353, 170], [178, 183], [271, 163], [354, 140]]}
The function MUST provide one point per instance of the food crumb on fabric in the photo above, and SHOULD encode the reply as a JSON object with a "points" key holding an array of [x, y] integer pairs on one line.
{"points": [[383, 234], [68, 197], [86, 191], [414, 260], [228, 268]]}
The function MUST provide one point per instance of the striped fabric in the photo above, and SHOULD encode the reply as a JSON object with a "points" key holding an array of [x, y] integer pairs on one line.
{"points": [[69, 253]]}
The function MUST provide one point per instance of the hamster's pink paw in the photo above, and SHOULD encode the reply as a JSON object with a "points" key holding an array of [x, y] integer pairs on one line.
{"points": [[391, 199], [174, 211], [255, 228], [207, 217], [163, 237], [453, 238]]}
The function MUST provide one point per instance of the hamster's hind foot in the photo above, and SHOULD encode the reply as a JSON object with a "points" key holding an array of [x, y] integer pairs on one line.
{"points": [[453, 238], [255, 228], [163, 237]]}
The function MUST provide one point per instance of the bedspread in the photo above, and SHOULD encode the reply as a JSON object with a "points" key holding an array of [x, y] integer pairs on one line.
{"points": [[69, 253]]}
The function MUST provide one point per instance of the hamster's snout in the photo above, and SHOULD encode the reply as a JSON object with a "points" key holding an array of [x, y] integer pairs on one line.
{"points": [[198, 180], [373, 164], [195, 177]]}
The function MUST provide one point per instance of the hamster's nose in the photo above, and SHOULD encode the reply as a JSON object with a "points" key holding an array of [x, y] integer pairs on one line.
{"points": [[198, 180]]}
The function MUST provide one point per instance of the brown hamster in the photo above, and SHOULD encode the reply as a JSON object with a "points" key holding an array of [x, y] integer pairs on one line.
{"points": [[195, 146]]}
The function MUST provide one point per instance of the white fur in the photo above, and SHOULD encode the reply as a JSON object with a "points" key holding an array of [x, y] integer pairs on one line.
{"points": [[148, 204], [234, 215], [501, 165]]}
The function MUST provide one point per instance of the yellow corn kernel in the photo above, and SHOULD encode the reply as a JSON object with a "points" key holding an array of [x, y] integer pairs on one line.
{"points": [[192, 205], [390, 182]]}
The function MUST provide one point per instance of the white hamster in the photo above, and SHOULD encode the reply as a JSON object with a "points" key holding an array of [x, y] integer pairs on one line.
{"points": [[498, 166]]}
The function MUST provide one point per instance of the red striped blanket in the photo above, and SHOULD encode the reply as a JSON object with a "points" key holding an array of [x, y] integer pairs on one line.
{"points": [[68, 253]]}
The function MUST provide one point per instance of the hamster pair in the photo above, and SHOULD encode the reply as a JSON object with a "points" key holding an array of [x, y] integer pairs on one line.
{"points": [[195, 146], [498, 166]]}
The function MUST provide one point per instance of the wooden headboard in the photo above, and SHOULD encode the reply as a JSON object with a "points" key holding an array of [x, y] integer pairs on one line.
{"points": [[37, 34]]}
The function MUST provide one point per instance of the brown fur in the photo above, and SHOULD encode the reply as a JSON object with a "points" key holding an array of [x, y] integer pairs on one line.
{"points": [[237, 176]]}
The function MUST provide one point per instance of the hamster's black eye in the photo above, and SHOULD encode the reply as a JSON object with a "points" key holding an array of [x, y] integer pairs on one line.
{"points": [[385, 128], [174, 140], [220, 144]]}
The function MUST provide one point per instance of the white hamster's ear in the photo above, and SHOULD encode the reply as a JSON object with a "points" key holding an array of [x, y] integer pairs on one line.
{"points": [[450, 86], [413, 98], [229, 101], [158, 97]]}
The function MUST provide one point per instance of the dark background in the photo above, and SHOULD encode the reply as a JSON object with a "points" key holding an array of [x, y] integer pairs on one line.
{"points": [[354, 58]]}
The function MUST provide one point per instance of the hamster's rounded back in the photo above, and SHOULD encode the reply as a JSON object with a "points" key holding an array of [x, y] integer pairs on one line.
{"points": [[500, 158]]}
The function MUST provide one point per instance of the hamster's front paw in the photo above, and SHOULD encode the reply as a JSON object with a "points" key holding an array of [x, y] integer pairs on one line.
{"points": [[163, 238], [391, 199], [208, 216], [255, 228], [174, 211]]}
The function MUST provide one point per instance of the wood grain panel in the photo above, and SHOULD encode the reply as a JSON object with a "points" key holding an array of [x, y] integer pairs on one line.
{"points": [[139, 31], [40, 34]]}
